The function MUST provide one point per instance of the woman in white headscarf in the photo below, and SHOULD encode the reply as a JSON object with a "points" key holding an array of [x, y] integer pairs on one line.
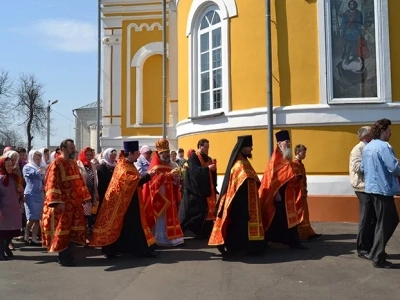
{"points": [[34, 195], [45, 157], [105, 171]]}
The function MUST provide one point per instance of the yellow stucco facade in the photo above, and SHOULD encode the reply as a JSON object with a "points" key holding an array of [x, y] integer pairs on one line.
{"points": [[296, 81], [313, 73]]}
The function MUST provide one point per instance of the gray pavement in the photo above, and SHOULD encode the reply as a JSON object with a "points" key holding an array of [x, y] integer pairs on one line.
{"points": [[329, 270]]}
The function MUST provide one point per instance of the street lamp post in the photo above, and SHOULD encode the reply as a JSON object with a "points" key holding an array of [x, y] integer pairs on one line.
{"points": [[48, 122]]}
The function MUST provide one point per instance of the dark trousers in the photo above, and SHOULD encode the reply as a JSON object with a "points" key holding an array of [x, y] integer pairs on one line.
{"points": [[386, 223], [367, 223]]}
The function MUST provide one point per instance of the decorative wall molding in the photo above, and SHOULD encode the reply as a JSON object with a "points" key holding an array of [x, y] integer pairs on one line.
{"points": [[117, 141], [292, 116], [127, 2], [116, 21], [150, 8], [147, 26], [111, 40], [138, 62]]}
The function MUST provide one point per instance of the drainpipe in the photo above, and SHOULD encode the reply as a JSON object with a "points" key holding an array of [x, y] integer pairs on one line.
{"points": [[164, 67], [98, 124], [270, 105]]}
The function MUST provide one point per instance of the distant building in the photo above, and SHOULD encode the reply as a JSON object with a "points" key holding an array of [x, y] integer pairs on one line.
{"points": [[86, 125]]}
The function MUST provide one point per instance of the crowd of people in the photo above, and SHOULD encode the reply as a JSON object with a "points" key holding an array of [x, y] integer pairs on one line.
{"points": [[137, 200]]}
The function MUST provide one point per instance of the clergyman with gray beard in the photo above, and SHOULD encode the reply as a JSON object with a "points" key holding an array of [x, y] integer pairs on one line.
{"points": [[279, 192]]}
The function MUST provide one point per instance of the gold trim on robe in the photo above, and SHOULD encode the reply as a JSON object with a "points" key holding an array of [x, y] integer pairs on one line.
{"points": [[241, 172], [110, 218]]}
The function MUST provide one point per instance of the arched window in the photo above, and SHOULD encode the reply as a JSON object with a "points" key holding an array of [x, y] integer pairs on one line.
{"points": [[210, 69], [208, 32]]}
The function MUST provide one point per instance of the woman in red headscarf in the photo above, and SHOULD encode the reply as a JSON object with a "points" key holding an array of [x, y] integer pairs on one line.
{"points": [[10, 214], [89, 175]]}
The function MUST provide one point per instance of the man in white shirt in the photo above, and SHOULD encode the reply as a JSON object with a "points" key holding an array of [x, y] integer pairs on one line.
{"points": [[366, 226]]}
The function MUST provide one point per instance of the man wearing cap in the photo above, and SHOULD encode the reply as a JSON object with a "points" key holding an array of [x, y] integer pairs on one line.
{"points": [[121, 225], [280, 193], [143, 162], [161, 196], [196, 212], [238, 226]]}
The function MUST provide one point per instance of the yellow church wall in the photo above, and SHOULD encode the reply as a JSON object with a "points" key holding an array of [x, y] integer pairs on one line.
{"points": [[295, 55], [183, 52], [152, 90], [294, 48], [328, 147], [394, 26]]}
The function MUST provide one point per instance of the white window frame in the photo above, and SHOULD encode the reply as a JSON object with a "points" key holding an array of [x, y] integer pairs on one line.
{"points": [[384, 89], [198, 9], [209, 30]]}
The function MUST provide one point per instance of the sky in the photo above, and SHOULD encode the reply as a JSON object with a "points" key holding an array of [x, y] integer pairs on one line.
{"points": [[57, 42]]}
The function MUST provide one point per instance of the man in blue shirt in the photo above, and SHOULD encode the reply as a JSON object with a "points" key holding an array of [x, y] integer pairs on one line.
{"points": [[381, 169]]}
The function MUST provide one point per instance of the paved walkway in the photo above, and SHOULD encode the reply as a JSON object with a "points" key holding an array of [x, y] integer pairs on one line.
{"points": [[329, 270]]}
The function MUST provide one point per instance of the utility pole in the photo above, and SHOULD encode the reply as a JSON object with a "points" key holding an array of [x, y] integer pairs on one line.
{"points": [[164, 68], [98, 123], [48, 121], [270, 104]]}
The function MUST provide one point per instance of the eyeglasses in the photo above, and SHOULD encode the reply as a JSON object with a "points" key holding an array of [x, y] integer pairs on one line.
{"points": [[148, 152]]}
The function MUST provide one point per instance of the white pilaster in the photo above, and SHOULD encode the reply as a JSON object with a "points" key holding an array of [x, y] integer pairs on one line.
{"points": [[116, 73], [106, 74]]}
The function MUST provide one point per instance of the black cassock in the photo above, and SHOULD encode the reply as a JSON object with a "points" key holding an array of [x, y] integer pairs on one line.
{"points": [[132, 238], [194, 208]]}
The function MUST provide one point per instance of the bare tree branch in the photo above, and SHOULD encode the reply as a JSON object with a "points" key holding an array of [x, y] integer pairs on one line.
{"points": [[11, 137], [6, 85], [30, 105]]}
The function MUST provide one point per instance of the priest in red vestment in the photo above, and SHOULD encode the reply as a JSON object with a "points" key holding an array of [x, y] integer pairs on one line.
{"points": [[238, 228], [161, 196], [280, 194], [121, 225], [63, 217]]}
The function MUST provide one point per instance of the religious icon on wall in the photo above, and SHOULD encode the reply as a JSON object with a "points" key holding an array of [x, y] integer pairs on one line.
{"points": [[353, 49]]}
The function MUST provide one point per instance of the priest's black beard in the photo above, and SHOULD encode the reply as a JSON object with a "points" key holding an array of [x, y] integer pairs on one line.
{"points": [[249, 155]]}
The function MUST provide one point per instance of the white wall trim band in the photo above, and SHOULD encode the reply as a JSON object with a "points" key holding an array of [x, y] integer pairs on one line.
{"points": [[319, 185], [292, 116]]}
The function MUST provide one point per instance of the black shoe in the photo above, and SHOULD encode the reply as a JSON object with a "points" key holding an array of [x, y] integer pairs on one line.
{"points": [[364, 256], [3, 257], [222, 250], [299, 246], [384, 265], [66, 262], [149, 254], [314, 236], [111, 255], [8, 252]]}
